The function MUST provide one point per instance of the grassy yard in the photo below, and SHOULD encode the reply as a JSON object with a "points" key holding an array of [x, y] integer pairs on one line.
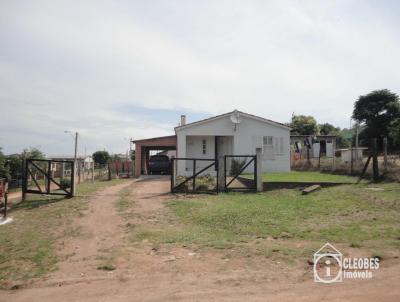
{"points": [[285, 224], [27, 244], [308, 176]]}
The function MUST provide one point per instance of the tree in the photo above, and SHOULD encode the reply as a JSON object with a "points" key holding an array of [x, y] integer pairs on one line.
{"points": [[304, 125], [16, 161], [377, 110], [32, 153], [328, 129], [3, 168], [101, 157], [343, 137], [394, 132], [342, 141]]}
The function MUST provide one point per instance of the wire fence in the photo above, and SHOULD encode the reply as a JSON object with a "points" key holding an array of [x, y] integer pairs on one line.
{"points": [[389, 166]]}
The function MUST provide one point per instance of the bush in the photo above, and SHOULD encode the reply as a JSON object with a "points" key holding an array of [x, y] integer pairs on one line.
{"points": [[236, 166], [65, 183]]}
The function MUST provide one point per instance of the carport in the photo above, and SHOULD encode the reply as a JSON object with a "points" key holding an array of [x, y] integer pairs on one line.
{"points": [[143, 148]]}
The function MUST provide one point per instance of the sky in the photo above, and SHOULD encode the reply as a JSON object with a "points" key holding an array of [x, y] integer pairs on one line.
{"points": [[115, 70]]}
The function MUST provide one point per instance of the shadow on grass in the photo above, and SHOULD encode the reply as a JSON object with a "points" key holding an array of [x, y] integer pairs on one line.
{"points": [[36, 203]]}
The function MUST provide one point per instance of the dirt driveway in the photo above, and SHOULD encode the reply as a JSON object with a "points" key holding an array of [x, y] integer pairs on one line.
{"points": [[143, 272]]}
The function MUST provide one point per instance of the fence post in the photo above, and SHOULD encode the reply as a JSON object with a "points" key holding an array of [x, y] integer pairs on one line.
{"points": [[375, 160], [258, 163], [79, 170], [73, 183], [172, 174], [48, 176], [221, 174], [194, 173], [5, 192], [385, 159], [225, 164], [92, 170], [24, 179], [334, 154]]}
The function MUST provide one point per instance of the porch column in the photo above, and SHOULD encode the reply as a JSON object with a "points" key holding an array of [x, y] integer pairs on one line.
{"points": [[138, 159]]}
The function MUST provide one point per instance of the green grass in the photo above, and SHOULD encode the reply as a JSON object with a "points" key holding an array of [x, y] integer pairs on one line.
{"points": [[295, 176], [27, 245], [350, 215], [124, 201]]}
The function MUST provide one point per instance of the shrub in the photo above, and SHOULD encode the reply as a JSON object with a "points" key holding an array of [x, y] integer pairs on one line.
{"points": [[236, 166], [65, 183]]}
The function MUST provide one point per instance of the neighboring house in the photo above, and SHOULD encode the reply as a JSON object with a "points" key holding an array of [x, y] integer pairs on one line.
{"points": [[234, 133], [84, 163], [346, 156], [320, 145]]}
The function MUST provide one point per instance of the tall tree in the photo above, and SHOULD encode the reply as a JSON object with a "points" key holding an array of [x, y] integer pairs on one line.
{"points": [[3, 168], [101, 157], [394, 132], [304, 125], [328, 129], [377, 110], [16, 161]]}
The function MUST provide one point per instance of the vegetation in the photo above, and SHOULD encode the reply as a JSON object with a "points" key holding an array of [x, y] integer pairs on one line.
{"points": [[328, 129], [101, 157], [27, 245], [12, 165], [236, 166], [286, 224], [308, 176], [304, 125], [3, 169], [379, 111], [342, 139], [307, 125], [65, 183], [394, 132]]}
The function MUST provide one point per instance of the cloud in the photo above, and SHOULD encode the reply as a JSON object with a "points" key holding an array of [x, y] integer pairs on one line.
{"points": [[68, 65]]}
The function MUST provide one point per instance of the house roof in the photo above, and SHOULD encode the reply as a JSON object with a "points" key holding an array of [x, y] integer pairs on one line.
{"points": [[154, 138], [255, 117]]}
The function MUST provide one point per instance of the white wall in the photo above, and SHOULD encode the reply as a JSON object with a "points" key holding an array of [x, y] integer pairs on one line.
{"points": [[194, 149], [246, 138]]}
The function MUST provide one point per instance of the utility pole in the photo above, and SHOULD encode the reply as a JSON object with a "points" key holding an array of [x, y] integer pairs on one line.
{"points": [[73, 178], [75, 164]]}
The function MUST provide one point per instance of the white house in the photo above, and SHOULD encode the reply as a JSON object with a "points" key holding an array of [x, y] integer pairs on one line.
{"points": [[233, 133]]}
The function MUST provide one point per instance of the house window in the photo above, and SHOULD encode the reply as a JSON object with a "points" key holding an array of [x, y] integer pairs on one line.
{"points": [[268, 140], [268, 147], [204, 146]]}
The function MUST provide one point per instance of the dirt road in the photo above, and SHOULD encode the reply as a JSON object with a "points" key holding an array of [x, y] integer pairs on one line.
{"points": [[145, 273]]}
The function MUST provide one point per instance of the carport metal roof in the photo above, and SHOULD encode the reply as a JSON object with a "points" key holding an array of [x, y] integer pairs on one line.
{"points": [[142, 147]]}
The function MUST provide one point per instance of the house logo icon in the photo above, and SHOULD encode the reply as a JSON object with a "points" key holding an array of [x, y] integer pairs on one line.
{"points": [[328, 264]]}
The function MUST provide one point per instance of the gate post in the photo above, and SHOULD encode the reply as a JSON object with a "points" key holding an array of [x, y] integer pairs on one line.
{"points": [[221, 174], [258, 164], [172, 174], [24, 179]]}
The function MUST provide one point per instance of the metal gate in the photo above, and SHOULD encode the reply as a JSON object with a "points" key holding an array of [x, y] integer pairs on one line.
{"points": [[236, 179], [41, 175], [203, 178]]}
